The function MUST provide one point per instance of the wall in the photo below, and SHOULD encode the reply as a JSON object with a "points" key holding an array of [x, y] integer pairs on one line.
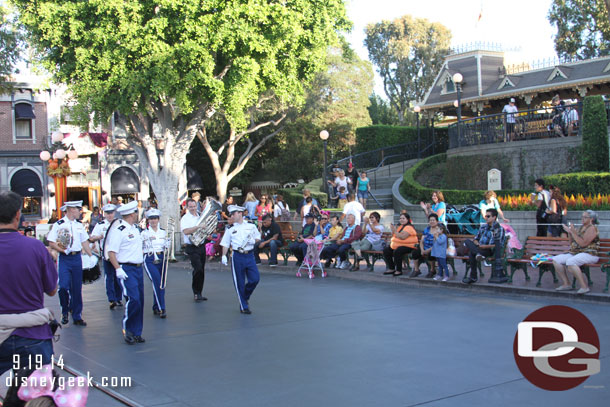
{"points": [[521, 162]]}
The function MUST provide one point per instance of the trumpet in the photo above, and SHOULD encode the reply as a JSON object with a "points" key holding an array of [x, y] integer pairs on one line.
{"points": [[169, 248]]}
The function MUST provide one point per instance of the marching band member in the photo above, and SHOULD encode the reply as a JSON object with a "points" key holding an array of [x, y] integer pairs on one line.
{"points": [[241, 238], [155, 241], [124, 248], [66, 237], [188, 226], [114, 291]]}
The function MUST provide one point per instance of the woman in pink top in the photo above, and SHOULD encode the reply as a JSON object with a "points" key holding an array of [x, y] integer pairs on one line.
{"points": [[264, 207]]}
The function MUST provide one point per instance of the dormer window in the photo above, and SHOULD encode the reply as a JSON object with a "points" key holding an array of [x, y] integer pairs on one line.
{"points": [[449, 86], [506, 83], [557, 73], [446, 83]]}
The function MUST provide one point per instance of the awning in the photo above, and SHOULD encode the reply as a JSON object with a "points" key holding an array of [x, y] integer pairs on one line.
{"points": [[193, 179], [26, 183], [124, 181], [24, 111]]}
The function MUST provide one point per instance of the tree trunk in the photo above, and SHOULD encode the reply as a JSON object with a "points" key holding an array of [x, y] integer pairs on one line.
{"points": [[222, 183]]}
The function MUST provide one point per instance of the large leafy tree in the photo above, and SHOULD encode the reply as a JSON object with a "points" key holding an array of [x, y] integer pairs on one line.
{"points": [[583, 28], [171, 65], [408, 53], [10, 44], [381, 112], [337, 101]]}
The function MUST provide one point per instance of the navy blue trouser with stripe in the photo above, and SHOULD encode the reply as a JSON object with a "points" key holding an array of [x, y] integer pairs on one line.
{"points": [[70, 269], [114, 291], [133, 289], [154, 273], [244, 267]]}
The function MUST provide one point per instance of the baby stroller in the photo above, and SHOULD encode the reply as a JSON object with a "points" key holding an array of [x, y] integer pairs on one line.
{"points": [[312, 258]]}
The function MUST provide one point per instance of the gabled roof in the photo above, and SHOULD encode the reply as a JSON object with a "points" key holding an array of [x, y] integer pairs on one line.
{"points": [[486, 79]]}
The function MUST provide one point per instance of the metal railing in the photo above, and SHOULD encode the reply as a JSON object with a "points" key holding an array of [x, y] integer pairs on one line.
{"points": [[526, 125]]}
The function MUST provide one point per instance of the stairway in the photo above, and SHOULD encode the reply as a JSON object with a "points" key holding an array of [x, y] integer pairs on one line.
{"points": [[381, 183]]}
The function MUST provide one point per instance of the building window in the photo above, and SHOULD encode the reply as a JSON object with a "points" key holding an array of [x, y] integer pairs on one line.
{"points": [[450, 86], [24, 115], [31, 206]]}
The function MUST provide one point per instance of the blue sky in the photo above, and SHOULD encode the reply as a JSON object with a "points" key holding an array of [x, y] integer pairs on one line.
{"points": [[515, 24]]}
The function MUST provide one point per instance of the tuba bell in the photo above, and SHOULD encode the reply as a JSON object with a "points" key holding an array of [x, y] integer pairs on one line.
{"points": [[207, 222]]}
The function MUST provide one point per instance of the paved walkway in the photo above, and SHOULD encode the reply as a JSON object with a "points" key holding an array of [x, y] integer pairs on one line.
{"points": [[323, 342]]}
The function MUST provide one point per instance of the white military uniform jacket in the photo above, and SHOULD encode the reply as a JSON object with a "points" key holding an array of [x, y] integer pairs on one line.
{"points": [[241, 237], [69, 233], [154, 241], [126, 242]]}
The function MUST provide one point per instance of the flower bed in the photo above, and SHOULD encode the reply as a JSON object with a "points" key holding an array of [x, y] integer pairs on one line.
{"points": [[575, 202]]}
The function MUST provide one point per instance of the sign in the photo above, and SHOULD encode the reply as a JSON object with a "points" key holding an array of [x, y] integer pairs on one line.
{"points": [[494, 179], [235, 191]]}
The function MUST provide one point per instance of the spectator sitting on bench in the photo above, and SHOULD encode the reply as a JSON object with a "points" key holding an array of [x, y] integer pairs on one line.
{"points": [[404, 240], [299, 248], [372, 239], [425, 247], [334, 234], [322, 226], [584, 245], [271, 236], [351, 233], [489, 241]]}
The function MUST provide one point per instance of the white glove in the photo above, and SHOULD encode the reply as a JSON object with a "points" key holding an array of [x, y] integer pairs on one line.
{"points": [[67, 251], [120, 274], [224, 261]]}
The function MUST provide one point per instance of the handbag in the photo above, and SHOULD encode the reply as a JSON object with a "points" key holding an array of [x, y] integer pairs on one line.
{"points": [[379, 245]]}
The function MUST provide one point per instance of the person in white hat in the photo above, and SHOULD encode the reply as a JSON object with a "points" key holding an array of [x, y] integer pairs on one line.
{"points": [[155, 242], [510, 109], [241, 238], [67, 236], [114, 291], [188, 226], [124, 251]]}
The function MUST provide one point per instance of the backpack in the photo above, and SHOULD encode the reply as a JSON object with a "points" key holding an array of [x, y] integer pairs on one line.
{"points": [[285, 214]]}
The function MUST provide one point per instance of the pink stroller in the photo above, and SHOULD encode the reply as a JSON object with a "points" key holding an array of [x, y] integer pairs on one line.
{"points": [[312, 258]]}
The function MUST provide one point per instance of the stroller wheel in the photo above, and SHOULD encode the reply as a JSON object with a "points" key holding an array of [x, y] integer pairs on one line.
{"points": [[311, 276], [298, 274]]}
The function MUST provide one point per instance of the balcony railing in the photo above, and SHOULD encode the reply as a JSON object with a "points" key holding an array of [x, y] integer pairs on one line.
{"points": [[527, 125]]}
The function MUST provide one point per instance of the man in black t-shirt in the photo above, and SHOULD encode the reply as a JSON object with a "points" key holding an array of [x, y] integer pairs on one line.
{"points": [[271, 237]]}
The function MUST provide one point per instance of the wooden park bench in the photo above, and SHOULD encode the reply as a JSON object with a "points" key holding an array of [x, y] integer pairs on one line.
{"points": [[289, 236], [371, 256], [554, 246]]}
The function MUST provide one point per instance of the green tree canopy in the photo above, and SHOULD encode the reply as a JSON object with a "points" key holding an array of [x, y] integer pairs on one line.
{"points": [[336, 101], [583, 28], [408, 53], [10, 44], [172, 64], [381, 112]]}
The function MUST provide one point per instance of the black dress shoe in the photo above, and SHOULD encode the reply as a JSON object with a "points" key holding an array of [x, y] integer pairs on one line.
{"points": [[113, 304], [64, 320], [139, 339], [156, 312], [79, 322], [468, 280], [199, 298], [430, 274], [397, 273], [389, 272], [162, 314], [246, 311], [129, 338]]}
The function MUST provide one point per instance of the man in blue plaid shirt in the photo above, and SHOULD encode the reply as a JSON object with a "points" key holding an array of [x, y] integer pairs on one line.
{"points": [[489, 241]]}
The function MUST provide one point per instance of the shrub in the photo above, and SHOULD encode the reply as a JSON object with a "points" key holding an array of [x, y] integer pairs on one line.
{"points": [[581, 182], [416, 192], [594, 135], [293, 196], [379, 136]]}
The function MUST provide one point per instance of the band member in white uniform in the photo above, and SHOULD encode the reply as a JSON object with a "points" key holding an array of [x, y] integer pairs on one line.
{"points": [[114, 291], [155, 242], [124, 248], [67, 236], [241, 238]]}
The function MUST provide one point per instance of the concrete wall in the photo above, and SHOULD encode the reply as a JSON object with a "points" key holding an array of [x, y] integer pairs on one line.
{"points": [[526, 160]]}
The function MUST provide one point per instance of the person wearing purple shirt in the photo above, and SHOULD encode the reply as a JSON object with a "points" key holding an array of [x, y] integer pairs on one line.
{"points": [[27, 274]]}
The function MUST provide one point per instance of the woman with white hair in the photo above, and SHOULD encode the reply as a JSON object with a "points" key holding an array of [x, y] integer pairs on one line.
{"points": [[584, 244]]}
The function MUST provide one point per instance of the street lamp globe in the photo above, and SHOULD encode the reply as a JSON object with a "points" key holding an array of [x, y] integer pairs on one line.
{"points": [[417, 109], [56, 137], [72, 154], [61, 154], [457, 77], [456, 103], [45, 155], [324, 135]]}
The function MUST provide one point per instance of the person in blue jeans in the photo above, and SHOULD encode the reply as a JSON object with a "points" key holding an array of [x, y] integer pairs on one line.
{"points": [[271, 237], [363, 188], [439, 252]]}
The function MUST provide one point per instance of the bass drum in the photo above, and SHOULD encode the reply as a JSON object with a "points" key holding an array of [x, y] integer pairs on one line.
{"points": [[91, 269]]}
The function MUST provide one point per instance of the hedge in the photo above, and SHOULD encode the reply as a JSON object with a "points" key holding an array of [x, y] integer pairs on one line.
{"points": [[594, 135], [379, 136], [293, 196], [581, 182], [416, 192]]}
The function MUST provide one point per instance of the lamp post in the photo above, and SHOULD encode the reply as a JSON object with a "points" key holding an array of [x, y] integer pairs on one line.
{"points": [[324, 136], [457, 80], [417, 109]]}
